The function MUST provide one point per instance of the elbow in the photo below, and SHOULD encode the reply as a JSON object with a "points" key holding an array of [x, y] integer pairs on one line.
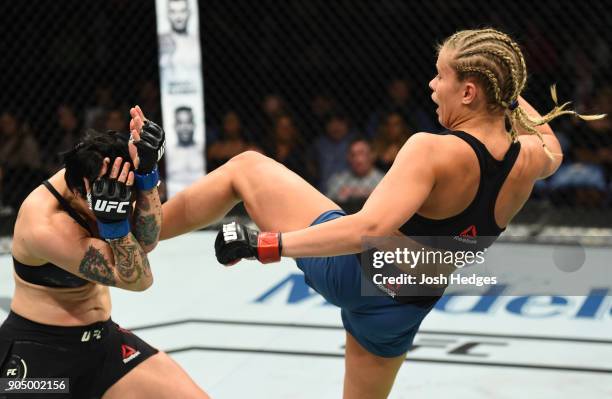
{"points": [[376, 225], [371, 227], [142, 285], [150, 247], [552, 167], [371, 230], [555, 160], [147, 283]]}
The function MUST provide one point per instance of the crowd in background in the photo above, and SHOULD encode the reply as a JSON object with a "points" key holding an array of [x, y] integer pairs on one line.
{"points": [[29, 155], [346, 160], [323, 145], [330, 89]]}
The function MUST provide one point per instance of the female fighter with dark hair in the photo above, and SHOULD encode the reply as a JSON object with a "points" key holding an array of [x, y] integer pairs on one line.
{"points": [[76, 235]]}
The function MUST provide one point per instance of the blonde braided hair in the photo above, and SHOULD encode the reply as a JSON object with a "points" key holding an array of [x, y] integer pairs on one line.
{"points": [[494, 60]]}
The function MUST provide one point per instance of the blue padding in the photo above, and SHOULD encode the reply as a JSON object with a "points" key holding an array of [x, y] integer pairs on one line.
{"points": [[111, 231], [148, 181]]}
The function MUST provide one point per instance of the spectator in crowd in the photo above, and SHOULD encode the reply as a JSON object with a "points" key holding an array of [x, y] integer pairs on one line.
{"points": [[231, 140], [581, 67], [585, 178], [288, 148], [330, 149], [352, 187], [65, 135], [115, 120], [321, 106], [95, 114], [272, 106], [400, 101], [20, 161], [392, 134]]}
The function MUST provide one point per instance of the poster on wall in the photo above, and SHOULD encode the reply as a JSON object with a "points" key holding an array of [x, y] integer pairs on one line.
{"points": [[182, 92]]}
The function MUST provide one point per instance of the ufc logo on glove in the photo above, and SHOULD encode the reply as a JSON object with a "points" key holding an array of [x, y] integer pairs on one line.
{"points": [[229, 232], [108, 206]]}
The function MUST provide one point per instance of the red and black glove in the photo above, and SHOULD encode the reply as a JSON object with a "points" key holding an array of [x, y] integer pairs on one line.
{"points": [[236, 241]]}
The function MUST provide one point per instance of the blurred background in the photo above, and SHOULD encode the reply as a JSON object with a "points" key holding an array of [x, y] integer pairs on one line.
{"points": [[330, 89]]}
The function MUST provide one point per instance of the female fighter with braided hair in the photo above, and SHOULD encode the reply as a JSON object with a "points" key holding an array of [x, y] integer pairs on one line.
{"points": [[73, 239], [476, 176]]}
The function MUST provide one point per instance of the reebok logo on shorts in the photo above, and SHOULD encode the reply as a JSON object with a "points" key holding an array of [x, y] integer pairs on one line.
{"points": [[128, 353]]}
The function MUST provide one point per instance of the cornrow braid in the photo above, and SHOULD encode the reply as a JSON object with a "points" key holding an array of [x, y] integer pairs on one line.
{"points": [[519, 81], [472, 33], [506, 60], [502, 37], [488, 35], [483, 52], [514, 72], [489, 75], [457, 36]]}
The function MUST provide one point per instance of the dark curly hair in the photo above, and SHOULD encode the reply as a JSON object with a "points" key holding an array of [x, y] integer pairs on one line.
{"points": [[85, 159]]}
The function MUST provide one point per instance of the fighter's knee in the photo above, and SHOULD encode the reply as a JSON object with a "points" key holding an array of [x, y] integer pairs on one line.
{"points": [[249, 158]]}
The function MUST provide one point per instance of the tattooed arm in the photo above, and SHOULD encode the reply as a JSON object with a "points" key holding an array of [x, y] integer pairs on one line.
{"points": [[146, 224], [146, 149], [130, 269], [119, 263]]}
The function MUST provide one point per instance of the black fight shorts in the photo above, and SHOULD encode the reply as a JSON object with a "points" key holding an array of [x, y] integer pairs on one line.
{"points": [[92, 357]]}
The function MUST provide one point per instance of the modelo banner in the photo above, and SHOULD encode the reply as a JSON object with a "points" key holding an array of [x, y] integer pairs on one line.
{"points": [[182, 91], [200, 308]]}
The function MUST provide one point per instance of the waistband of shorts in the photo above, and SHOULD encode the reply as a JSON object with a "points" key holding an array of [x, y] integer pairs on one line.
{"points": [[31, 329]]}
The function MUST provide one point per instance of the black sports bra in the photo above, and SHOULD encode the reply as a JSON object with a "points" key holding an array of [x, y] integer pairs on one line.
{"points": [[50, 275], [474, 228], [478, 219]]}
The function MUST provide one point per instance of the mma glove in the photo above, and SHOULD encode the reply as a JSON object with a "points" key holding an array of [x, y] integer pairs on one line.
{"points": [[236, 241], [110, 201], [150, 148]]}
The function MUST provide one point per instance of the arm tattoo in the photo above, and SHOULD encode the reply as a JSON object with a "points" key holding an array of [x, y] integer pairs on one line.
{"points": [[143, 204], [147, 221], [130, 260], [95, 267], [146, 229]]}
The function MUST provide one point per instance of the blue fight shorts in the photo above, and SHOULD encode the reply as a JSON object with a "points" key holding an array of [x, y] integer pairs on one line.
{"points": [[382, 325]]}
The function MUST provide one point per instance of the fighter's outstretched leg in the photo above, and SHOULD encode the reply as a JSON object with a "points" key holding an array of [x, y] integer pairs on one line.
{"points": [[276, 198]]}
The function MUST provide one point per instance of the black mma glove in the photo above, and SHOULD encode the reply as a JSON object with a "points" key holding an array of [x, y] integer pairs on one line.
{"points": [[236, 241], [110, 201], [150, 148]]}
